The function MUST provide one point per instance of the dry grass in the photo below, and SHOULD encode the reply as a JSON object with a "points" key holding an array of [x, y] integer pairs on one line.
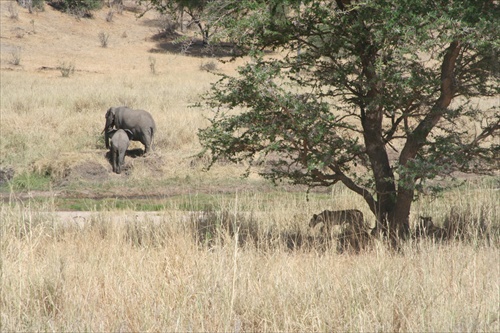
{"points": [[45, 114], [264, 270], [69, 112], [105, 275]]}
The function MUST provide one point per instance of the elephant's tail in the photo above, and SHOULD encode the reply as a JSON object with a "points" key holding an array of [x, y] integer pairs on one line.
{"points": [[152, 136]]}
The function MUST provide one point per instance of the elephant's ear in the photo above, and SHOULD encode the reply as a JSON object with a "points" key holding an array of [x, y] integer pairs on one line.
{"points": [[110, 119], [111, 113], [129, 133]]}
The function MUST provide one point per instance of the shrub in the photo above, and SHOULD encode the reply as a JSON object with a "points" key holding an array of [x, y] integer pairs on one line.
{"points": [[29, 181], [13, 12], [208, 66], [16, 56], [80, 8], [32, 5], [103, 37], [109, 16], [66, 68], [152, 65]]}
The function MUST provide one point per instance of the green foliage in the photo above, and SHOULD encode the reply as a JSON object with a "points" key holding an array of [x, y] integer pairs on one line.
{"points": [[30, 181], [356, 81], [278, 122], [206, 15], [81, 8], [38, 5]]}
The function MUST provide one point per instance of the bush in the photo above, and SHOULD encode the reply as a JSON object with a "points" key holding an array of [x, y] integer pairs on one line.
{"points": [[29, 181], [13, 12], [152, 65], [208, 66], [16, 56], [80, 8], [66, 69], [103, 38], [109, 16], [32, 5]]}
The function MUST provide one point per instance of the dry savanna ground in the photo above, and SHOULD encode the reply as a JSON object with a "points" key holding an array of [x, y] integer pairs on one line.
{"points": [[166, 246]]}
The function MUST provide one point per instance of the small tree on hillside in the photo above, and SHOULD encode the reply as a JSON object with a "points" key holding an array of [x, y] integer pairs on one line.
{"points": [[378, 95], [205, 14], [80, 8]]}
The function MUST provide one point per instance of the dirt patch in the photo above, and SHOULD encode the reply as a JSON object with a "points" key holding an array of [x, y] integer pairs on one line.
{"points": [[68, 218], [88, 171], [154, 163]]}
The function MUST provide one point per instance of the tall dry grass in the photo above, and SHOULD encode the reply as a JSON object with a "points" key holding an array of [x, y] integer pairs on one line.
{"points": [[50, 124], [106, 274], [43, 116]]}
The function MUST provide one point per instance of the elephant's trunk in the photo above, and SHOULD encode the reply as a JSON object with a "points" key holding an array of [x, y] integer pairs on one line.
{"points": [[108, 131], [108, 126]]}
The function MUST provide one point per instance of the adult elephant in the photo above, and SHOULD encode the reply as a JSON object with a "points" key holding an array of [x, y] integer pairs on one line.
{"points": [[139, 122]]}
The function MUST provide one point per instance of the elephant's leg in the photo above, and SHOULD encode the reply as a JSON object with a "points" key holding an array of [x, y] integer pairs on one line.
{"points": [[144, 140], [150, 140], [121, 160], [147, 140], [114, 159], [148, 145]]}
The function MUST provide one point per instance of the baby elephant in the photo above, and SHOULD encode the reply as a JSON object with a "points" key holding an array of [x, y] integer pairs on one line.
{"points": [[330, 219], [119, 144]]}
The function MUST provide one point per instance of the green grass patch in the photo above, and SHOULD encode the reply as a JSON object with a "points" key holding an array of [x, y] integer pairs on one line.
{"points": [[185, 202], [29, 181], [181, 202]]}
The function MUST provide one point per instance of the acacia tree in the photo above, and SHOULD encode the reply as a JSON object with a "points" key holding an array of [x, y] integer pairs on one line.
{"points": [[205, 14], [378, 95]]}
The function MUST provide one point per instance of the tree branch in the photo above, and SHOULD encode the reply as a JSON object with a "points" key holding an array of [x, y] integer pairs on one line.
{"points": [[417, 139]]}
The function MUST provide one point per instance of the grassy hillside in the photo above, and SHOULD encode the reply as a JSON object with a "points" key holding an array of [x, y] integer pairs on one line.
{"points": [[220, 253], [51, 125]]}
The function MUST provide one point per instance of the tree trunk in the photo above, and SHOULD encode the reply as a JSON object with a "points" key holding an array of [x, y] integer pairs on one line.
{"points": [[400, 216], [393, 207], [371, 120]]}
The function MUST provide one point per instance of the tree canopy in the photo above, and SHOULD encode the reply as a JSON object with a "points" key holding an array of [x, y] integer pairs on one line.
{"points": [[378, 95]]}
